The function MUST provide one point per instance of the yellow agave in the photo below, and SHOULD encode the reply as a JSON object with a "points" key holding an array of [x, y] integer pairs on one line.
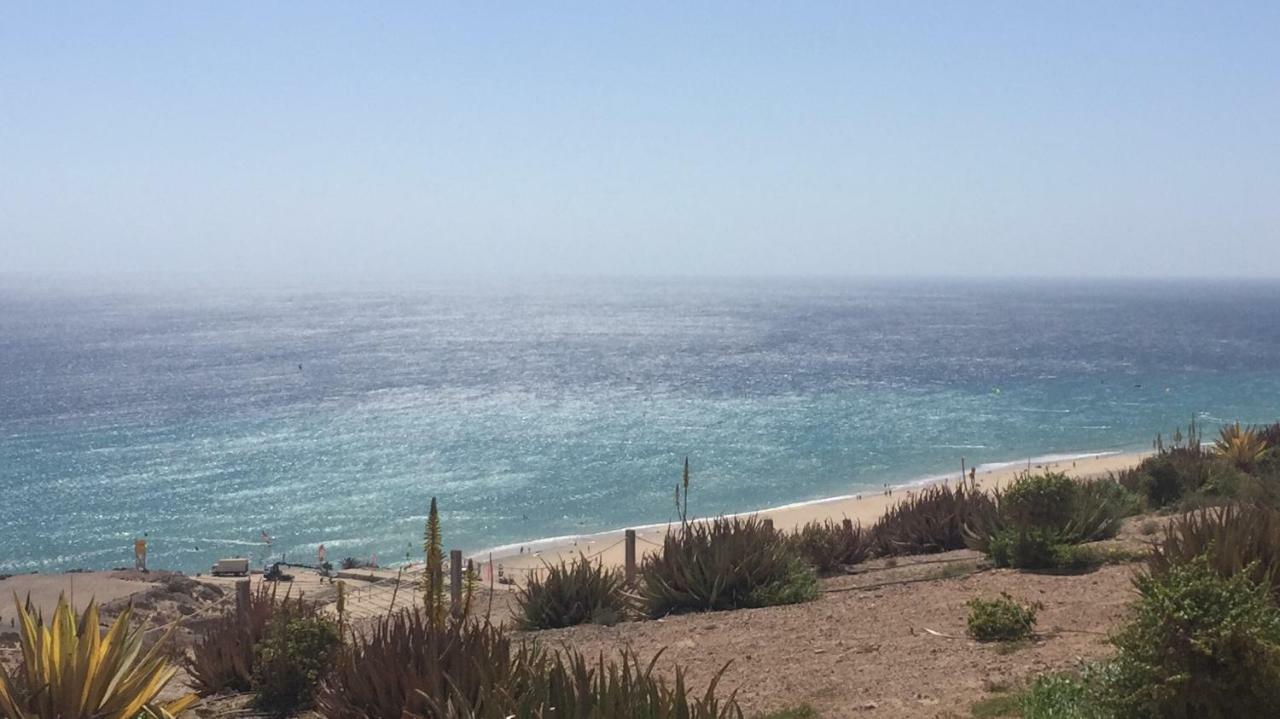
{"points": [[71, 670], [1241, 445]]}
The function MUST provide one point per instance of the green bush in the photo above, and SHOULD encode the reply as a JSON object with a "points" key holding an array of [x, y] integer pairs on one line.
{"points": [[1023, 548], [290, 661], [1002, 619], [1233, 539], [1110, 494], [727, 563], [224, 656], [931, 520], [1079, 558], [1038, 518], [1060, 696], [1165, 478], [1040, 549], [563, 595], [1040, 500], [827, 546], [1197, 645]]}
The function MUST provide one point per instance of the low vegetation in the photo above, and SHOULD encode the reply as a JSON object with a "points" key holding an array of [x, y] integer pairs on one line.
{"points": [[1233, 539], [828, 546], [565, 594], [1186, 473], [408, 666], [727, 563], [70, 669], [931, 520], [1003, 619], [406, 661], [291, 660], [1197, 644], [1059, 696], [568, 685], [1203, 637], [225, 656], [1039, 519]]}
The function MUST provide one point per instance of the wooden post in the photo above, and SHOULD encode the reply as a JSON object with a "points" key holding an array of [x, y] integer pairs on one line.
{"points": [[455, 581], [768, 523], [342, 603], [848, 525], [631, 557], [242, 601]]}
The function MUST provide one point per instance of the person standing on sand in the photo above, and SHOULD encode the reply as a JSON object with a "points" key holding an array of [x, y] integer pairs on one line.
{"points": [[140, 553]]}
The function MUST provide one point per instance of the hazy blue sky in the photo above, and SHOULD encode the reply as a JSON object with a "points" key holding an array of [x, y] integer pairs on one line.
{"points": [[374, 139]]}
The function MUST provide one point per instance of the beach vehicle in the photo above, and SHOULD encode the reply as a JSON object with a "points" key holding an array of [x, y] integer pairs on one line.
{"points": [[233, 567]]}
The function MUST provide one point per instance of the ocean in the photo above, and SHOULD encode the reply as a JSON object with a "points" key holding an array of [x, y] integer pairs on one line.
{"points": [[536, 408]]}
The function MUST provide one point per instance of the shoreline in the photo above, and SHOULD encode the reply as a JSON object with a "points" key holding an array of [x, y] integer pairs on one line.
{"points": [[863, 508]]}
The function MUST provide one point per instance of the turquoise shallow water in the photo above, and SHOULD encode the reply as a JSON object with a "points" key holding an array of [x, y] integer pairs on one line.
{"points": [[547, 408]]}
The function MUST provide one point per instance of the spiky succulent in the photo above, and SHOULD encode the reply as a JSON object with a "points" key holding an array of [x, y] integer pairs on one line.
{"points": [[71, 670]]}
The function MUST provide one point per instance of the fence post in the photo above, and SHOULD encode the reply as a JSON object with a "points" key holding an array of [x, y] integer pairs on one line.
{"points": [[242, 601], [848, 525], [631, 557], [768, 523], [342, 603], [455, 581]]}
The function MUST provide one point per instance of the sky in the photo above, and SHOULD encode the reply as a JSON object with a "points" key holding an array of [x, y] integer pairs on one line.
{"points": [[375, 140]]}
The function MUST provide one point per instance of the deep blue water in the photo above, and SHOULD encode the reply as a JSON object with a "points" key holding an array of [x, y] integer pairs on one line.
{"points": [[545, 408]]}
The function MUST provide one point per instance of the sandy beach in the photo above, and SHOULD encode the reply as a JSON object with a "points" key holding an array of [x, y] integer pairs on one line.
{"points": [[863, 508]]}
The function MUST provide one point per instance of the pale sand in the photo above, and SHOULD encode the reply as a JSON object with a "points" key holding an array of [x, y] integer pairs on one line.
{"points": [[44, 590], [608, 547]]}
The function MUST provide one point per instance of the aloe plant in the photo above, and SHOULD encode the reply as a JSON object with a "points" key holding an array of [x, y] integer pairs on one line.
{"points": [[726, 563], [562, 595], [827, 545], [1233, 539], [433, 576], [931, 520]]}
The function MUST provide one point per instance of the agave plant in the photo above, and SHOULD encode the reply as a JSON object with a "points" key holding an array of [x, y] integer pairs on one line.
{"points": [[1234, 538], [1240, 445], [562, 595], [406, 663], [827, 546], [70, 670], [1052, 509], [569, 686], [932, 520], [727, 563]]}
